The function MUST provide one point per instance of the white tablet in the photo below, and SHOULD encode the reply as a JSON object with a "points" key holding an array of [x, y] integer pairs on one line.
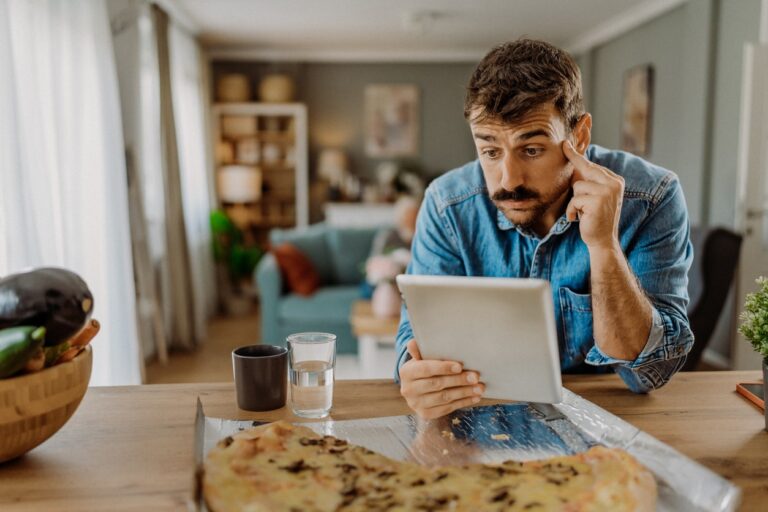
{"points": [[502, 327]]}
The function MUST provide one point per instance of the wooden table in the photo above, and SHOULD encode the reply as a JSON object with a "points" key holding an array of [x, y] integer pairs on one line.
{"points": [[131, 448]]}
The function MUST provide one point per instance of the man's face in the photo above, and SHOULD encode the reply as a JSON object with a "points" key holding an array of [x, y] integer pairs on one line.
{"points": [[526, 172]]}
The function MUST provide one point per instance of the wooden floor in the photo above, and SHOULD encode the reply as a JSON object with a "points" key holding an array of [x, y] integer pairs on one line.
{"points": [[212, 361]]}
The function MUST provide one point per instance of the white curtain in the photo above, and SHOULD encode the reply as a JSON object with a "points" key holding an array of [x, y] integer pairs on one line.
{"points": [[137, 27], [63, 192], [188, 82]]}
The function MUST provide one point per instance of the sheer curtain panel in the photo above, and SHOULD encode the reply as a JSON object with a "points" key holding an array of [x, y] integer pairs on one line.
{"points": [[188, 82], [63, 191]]}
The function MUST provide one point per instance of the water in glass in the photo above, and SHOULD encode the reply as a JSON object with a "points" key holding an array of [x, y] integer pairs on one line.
{"points": [[311, 388]]}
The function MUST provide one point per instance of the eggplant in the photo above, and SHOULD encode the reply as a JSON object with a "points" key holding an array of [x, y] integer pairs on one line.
{"points": [[54, 298]]}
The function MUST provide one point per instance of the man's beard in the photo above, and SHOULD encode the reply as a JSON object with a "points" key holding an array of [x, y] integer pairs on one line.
{"points": [[533, 211]]}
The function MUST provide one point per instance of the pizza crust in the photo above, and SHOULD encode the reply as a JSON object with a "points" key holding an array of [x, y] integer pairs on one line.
{"points": [[282, 467]]}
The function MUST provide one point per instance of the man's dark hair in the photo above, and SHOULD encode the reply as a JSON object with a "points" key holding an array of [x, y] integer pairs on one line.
{"points": [[518, 77]]}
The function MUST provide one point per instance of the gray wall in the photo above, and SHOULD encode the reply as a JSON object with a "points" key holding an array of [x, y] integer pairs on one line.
{"points": [[738, 23], [696, 51], [679, 99], [333, 93]]}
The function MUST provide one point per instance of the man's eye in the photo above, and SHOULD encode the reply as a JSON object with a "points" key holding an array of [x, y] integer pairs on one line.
{"points": [[532, 152], [490, 153]]}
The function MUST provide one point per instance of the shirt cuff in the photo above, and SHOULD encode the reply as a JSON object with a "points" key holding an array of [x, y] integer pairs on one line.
{"points": [[404, 357], [650, 352]]}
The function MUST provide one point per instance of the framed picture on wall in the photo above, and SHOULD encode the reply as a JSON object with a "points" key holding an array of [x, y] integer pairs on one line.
{"points": [[637, 106], [391, 120]]}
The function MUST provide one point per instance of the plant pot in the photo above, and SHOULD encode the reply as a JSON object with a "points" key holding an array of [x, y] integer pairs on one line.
{"points": [[238, 305], [385, 302], [765, 391]]}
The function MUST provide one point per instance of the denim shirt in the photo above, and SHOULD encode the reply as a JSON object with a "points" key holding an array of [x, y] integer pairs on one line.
{"points": [[460, 231]]}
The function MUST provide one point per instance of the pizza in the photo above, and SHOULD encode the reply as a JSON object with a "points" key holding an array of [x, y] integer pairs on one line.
{"points": [[282, 467]]}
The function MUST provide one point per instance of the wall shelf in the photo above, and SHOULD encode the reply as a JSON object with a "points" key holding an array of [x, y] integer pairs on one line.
{"points": [[272, 139]]}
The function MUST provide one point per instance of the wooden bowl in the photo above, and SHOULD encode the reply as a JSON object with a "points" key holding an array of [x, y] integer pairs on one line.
{"points": [[33, 407]]}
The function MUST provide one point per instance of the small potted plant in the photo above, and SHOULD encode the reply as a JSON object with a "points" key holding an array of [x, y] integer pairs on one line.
{"points": [[754, 327], [235, 263]]}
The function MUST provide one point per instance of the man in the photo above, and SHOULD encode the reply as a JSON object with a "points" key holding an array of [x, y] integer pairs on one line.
{"points": [[607, 229]]}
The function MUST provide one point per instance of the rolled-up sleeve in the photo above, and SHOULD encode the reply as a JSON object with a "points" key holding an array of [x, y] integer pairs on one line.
{"points": [[434, 251], [660, 260]]}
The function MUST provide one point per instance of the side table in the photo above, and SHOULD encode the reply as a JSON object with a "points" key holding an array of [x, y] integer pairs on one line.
{"points": [[376, 338]]}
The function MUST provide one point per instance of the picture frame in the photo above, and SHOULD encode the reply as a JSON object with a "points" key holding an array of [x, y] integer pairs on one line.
{"points": [[637, 109], [392, 120]]}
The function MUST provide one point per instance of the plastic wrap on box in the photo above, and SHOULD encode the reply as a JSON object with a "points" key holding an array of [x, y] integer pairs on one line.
{"points": [[519, 431]]}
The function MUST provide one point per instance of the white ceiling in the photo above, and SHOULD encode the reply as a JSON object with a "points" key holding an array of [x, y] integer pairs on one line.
{"points": [[403, 29]]}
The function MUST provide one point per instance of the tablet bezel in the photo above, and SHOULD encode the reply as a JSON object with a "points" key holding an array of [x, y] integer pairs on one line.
{"points": [[480, 307]]}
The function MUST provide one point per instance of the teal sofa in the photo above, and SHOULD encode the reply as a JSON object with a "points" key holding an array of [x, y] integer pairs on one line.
{"points": [[338, 255]]}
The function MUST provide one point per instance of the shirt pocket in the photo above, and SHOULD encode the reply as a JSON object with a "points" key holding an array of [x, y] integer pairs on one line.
{"points": [[576, 318]]}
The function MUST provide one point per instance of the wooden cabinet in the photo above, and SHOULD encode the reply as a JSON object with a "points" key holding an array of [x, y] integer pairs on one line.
{"points": [[261, 167]]}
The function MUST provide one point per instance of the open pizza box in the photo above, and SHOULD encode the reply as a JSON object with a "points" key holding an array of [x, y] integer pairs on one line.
{"points": [[519, 431]]}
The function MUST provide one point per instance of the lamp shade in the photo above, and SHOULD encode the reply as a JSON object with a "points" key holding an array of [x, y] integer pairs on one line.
{"points": [[333, 165], [239, 183]]}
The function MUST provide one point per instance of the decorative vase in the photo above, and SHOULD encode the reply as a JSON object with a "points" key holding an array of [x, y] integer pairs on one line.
{"points": [[277, 88], [765, 391], [385, 302], [233, 87]]}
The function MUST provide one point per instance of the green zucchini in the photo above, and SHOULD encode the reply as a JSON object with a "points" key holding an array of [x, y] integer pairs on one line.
{"points": [[17, 345]]}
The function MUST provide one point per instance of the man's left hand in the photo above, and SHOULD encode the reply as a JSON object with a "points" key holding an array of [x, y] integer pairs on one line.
{"points": [[596, 201]]}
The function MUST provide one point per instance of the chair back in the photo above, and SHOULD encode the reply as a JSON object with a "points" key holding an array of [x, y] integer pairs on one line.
{"points": [[715, 257]]}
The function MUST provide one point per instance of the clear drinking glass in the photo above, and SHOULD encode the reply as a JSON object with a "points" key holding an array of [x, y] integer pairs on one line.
{"points": [[311, 361]]}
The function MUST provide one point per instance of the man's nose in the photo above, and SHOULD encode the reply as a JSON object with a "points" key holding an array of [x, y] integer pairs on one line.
{"points": [[511, 175]]}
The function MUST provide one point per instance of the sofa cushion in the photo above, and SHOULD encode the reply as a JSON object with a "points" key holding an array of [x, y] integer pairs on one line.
{"points": [[298, 272], [310, 241], [329, 303], [349, 248]]}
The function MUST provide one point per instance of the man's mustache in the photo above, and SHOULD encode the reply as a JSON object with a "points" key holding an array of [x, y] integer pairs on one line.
{"points": [[520, 193]]}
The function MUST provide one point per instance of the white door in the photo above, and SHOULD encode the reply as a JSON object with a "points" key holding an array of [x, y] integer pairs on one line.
{"points": [[752, 199]]}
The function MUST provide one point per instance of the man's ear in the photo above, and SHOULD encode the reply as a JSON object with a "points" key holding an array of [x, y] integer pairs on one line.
{"points": [[582, 133]]}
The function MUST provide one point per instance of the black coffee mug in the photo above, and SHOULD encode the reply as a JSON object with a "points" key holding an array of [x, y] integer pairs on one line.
{"points": [[261, 376]]}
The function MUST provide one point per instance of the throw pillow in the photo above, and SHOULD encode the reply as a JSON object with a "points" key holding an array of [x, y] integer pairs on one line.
{"points": [[298, 272], [312, 242]]}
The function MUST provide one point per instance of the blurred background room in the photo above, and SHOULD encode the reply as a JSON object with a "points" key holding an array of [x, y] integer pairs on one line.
{"points": [[229, 172]]}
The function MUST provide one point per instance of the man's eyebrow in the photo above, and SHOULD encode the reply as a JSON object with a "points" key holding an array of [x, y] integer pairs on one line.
{"points": [[533, 133], [486, 137]]}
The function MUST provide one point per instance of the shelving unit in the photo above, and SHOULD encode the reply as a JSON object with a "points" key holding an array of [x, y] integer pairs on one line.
{"points": [[268, 141]]}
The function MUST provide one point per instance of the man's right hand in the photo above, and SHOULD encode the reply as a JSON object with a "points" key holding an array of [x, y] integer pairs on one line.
{"points": [[435, 388]]}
